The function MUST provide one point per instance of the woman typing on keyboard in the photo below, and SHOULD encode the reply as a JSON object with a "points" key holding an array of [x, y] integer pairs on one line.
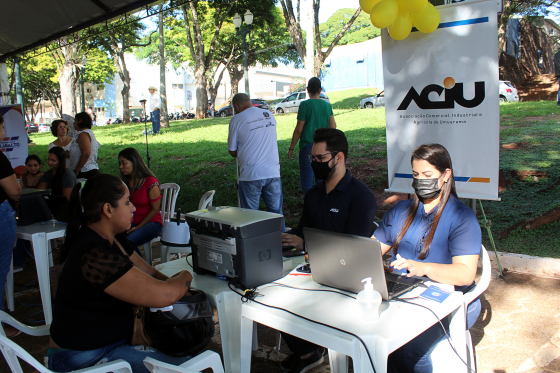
{"points": [[434, 235]]}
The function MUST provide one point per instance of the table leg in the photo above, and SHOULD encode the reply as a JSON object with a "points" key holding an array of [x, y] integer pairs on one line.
{"points": [[338, 362], [246, 343], [40, 249], [229, 314], [377, 348], [457, 331]]}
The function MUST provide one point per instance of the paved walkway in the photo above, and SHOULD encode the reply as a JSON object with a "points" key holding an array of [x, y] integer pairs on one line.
{"points": [[518, 329]]}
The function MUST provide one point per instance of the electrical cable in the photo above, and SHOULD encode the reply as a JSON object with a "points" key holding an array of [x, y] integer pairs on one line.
{"points": [[22, 290], [251, 293], [442, 326], [310, 320], [272, 284]]}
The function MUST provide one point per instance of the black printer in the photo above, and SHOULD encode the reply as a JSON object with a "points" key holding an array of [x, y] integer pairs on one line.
{"points": [[237, 243]]}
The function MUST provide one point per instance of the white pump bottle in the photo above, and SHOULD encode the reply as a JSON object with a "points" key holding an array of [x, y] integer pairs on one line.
{"points": [[369, 301]]}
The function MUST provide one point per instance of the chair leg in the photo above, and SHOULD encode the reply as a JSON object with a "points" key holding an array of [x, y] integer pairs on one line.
{"points": [[164, 253], [471, 358], [148, 252], [278, 343]]}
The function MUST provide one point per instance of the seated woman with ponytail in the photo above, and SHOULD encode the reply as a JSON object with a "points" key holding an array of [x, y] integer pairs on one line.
{"points": [[434, 235], [98, 286], [59, 179]]}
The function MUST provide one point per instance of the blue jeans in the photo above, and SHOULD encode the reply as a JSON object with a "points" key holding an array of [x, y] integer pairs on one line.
{"points": [[145, 234], [414, 357], [69, 360], [7, 241], [306, 175], [250, 193], [155, 120]]}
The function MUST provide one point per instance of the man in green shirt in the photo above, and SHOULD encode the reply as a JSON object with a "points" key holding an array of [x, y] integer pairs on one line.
{"points": [[312, 114]]}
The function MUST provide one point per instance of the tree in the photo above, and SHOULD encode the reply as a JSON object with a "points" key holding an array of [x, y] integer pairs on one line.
{"points": [[268, 44], [164, 118], [68, 58], [293, 24], [117, 42], [361, 30], [524, 8]]}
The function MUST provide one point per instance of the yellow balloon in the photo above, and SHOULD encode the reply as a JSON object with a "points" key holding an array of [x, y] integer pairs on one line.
{"points": [[402, 26], [413, 6], [427, 20], [384, 13], [367, 5]]}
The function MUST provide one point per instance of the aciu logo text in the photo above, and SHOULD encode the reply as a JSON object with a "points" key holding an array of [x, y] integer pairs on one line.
{"points": [[452, 93]]}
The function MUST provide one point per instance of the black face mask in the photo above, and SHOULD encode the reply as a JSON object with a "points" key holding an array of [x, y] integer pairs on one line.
{"points": [[426, 188], [321, 170]]}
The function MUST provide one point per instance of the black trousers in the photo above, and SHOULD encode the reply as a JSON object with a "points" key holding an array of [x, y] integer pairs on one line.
{"points": [[87, 175]]}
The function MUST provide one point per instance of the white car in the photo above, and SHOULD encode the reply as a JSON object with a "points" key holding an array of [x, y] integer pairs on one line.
{"points": [[508, 92], [372, 102], [291, 103], [44, 128]]}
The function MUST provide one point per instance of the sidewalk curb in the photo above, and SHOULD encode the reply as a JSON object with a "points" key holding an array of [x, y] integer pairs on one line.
{"points": [[526, 264]]}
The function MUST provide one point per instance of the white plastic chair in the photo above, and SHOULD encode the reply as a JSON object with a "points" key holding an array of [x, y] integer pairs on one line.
{"points": [[207, 359], [9, 287], [205, 201], [169, 192], [443, 357], [12, 351]]}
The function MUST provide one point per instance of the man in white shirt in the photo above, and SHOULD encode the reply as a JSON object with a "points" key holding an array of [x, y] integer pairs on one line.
{"points": [[153, 106], [252, 140]]}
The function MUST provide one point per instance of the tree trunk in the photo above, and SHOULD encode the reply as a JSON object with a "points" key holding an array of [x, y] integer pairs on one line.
{"points": [[164, 118], [235, 77], [67, 80], [201, 93]]}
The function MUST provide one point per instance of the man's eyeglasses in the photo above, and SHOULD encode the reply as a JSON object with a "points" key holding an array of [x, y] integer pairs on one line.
{"points": [[320, 157]]}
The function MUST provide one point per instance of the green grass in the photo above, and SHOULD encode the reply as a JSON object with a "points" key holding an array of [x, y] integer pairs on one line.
{"points": [[194, 155]]}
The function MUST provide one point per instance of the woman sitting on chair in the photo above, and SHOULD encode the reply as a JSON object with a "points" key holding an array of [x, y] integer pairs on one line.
{"points": [[144, 194], [33, 175], [59, 178], [93, 315], [434, 235]]}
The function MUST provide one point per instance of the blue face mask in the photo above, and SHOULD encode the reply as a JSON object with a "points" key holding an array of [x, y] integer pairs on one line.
{"points": [[426, 188]]}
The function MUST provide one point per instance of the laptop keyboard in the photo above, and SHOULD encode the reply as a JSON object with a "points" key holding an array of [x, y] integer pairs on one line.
{"points": [[395, 287]]}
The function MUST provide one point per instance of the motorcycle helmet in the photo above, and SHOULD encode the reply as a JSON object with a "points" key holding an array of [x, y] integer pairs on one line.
{"points": [[184, 328]]}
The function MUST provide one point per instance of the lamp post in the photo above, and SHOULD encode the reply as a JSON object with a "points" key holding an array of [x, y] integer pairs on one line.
{"points": [[243, 30]]}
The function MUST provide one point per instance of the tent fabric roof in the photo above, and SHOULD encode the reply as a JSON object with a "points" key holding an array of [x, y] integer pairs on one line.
{"points": [[26, 24]]}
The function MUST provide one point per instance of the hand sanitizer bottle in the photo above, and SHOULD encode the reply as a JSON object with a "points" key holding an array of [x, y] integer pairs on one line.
{"points": [[369, 301]]}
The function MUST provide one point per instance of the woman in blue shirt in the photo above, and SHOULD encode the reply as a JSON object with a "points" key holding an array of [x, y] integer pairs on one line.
{"points": [[434, 235]]}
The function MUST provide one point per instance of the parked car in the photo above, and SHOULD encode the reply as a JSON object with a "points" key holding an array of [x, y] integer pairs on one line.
{"points": [[31, 127], [373, 102], [508, 92], [291, 103], [44, 128], [260, 103], [227, 111]]}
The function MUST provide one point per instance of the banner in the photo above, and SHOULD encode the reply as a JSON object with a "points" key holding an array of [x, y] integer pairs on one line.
{"points": [[442, 88], [14, 142]]}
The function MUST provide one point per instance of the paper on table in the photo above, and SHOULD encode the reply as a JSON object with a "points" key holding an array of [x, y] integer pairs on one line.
{"points": [[446, 287]]}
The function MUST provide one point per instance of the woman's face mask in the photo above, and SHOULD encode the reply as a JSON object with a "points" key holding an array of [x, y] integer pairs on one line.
{"points": [[426, 188]]}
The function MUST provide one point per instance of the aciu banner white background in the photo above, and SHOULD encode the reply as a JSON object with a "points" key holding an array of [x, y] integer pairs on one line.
{"points": [[14, 142], [442, 88]]}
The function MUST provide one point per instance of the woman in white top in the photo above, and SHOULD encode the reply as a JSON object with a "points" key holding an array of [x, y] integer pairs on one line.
{"points": [[59, 129], [83, 149]]}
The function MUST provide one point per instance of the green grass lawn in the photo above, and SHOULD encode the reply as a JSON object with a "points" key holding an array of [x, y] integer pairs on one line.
{"points": [[194, 155]]}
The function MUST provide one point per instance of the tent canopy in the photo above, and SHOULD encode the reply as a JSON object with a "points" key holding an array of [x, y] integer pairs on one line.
{"points": [[28, 24]]}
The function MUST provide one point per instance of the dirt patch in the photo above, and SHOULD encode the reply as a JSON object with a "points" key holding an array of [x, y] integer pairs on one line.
{"points": [[516, 145], [217, 164], [542, 118], [521, 175], [178, 158], [503, 182]]}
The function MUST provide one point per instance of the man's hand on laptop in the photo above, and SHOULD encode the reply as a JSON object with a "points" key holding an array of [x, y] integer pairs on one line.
{"points": [[292, 240]]}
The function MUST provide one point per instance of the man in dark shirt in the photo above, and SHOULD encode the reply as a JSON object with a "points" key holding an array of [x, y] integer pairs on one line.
{"points": [[341, 204]]}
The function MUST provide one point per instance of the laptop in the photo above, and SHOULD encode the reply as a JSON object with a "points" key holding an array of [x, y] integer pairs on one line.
{"points": [[58, 205], [342, 261], [32, 207]]}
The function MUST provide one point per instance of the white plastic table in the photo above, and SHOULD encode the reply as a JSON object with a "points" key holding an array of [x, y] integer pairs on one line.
{"points": [[228, 305], [40, 235], [398, 323]]}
